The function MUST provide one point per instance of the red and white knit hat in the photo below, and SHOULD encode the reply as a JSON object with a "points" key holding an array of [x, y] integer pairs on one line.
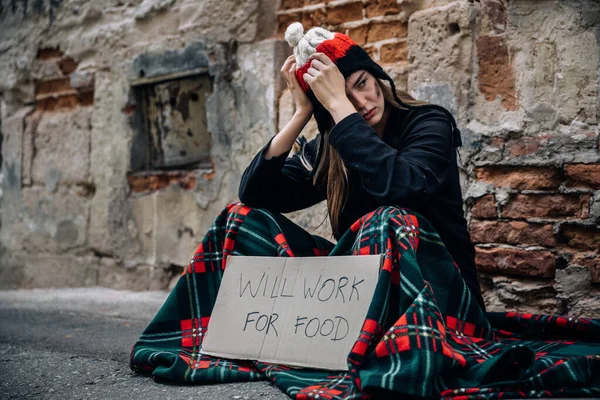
{"points": [[349, 57], [343, 51]]}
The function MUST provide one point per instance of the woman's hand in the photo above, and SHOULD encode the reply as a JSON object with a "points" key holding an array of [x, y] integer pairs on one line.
{"points": [[302, 103], [329, 86]]}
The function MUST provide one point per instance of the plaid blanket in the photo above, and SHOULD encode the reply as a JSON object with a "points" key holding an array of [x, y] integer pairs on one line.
{"points": [[424, 336]]}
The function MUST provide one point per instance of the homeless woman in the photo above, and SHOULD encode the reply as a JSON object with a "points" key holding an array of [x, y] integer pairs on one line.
{"points": [[377, 148], [386, 165]]}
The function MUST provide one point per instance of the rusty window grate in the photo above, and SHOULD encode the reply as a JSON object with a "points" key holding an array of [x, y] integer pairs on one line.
{"points": [[173, 121]]}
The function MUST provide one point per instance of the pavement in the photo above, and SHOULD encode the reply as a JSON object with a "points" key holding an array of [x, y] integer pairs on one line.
{"points": [[75, 344]]}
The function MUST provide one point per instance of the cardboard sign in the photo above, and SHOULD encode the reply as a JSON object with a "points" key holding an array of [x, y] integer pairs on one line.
{"points": [[297, 311]]}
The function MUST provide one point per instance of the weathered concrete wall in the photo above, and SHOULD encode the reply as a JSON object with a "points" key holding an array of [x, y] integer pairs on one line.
{"points": [[522, 78], [73, 211]]}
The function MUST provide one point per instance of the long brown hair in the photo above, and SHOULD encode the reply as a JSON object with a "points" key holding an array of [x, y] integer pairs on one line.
{"points": [[331, 170]]}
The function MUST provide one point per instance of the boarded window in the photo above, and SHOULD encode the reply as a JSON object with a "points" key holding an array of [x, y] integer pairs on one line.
{"points": [[173, 120]]}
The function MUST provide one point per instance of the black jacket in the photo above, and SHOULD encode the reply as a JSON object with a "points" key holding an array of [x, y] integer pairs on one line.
{"points": [[413, 166]]}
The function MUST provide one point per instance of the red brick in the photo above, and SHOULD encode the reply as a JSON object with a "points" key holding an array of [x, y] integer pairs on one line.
{"points": [[56, 103], [588, 259], [151, 183], [288, 4], [585, 259], [583, 175], [67, 65], [188, 181], [345, 13], [147, 183], [158, 182], [48, 104], [521, 178], [387, 30], [311, 19], [585, 206], [497, 142], [49, 53], [496, 75], [536, 263], [485, 207], [545, 206], [53, 86], [580, 237], [522, 146], [359, 34], [69, 101], [209, 176], [139, 183], [376, 8], [394, 52], [513, 232]]}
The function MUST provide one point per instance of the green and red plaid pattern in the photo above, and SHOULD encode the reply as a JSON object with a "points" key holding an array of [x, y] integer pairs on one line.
{"points": [[424, 336]]}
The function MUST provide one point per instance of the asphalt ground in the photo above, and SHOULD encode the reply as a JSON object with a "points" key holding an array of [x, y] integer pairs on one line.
{"points": [[75, 344]]}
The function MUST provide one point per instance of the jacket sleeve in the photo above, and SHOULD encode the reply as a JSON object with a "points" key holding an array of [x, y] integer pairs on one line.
{"points": [[279, 184], [396, 176]]}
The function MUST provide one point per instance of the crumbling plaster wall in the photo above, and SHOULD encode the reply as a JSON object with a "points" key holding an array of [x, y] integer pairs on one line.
{"points": [[71, 213], [521, 76]]}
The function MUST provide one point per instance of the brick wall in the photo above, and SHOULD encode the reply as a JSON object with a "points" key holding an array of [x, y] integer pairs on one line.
{"points": [[538, 219], [59, 85], [521, 76], [538, 225], [379, 27]]}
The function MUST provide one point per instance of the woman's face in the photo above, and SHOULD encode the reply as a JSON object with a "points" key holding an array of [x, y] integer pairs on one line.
{"points": [[366, 96]]}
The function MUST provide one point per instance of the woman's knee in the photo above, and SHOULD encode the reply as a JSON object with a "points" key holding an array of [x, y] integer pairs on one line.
{"points": [[389, 212], [393, 214], [389, 209], [237, 208]]}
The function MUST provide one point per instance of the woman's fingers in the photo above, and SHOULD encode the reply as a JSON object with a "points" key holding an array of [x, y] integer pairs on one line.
{"points": [[292, 81], [317, 64], [287, 63], [321, 57], [308, 78], [312, 71], [288, 70], [312, 74]]}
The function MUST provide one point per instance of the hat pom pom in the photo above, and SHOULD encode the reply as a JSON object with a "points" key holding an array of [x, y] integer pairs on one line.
{"points": [[294, 33]]}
